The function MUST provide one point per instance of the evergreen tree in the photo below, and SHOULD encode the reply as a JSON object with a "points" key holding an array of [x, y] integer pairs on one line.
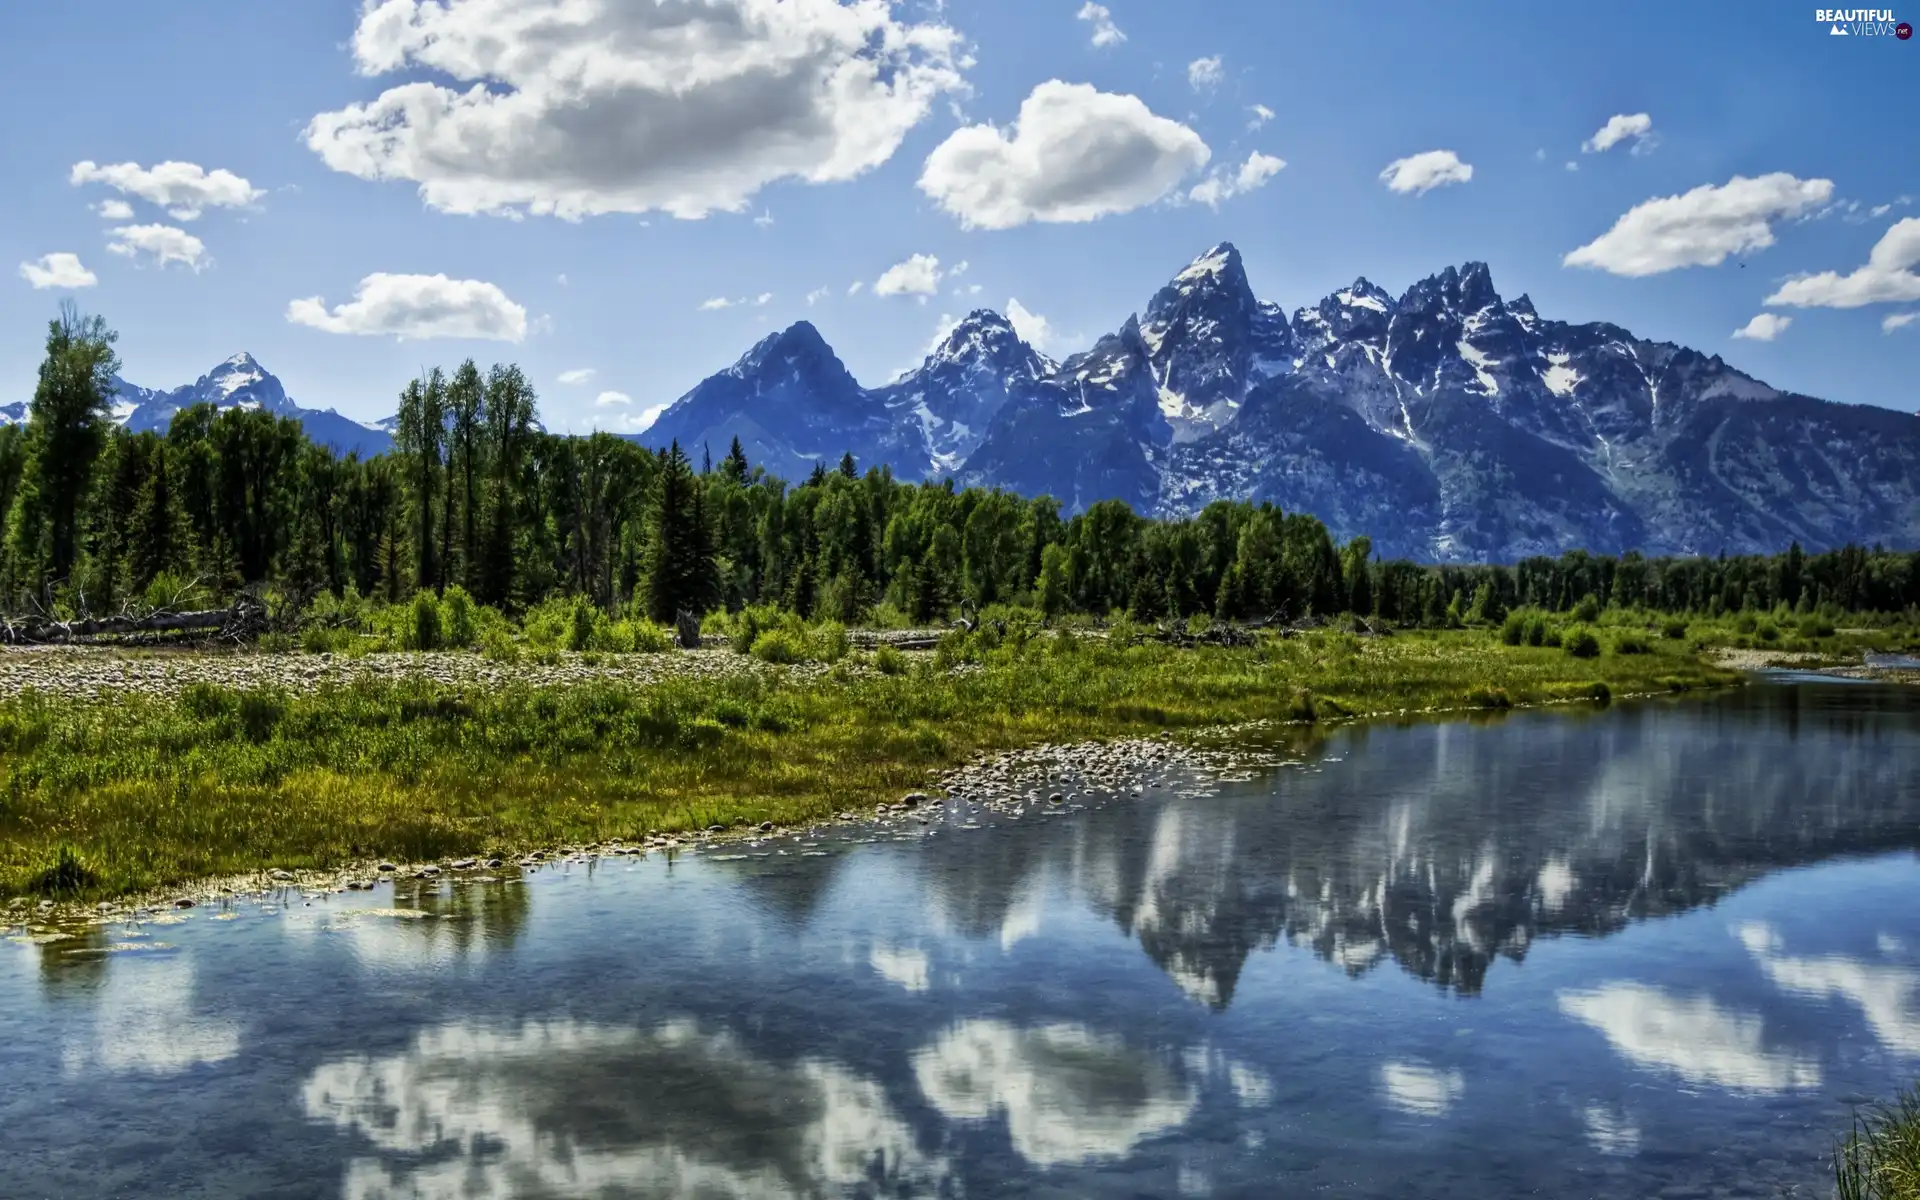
{"points": [[680, 568], [735, 464], [67, 424]]}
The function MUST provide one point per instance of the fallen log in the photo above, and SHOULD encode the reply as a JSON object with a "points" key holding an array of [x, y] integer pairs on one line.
{"points": [[242, 619]]}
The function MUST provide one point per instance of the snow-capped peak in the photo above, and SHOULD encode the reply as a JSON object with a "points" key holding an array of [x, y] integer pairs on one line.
{"points": [[1221, 260]]}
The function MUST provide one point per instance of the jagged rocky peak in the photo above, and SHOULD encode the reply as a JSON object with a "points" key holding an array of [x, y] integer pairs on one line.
{"points": [[985, 338], [1217, 274], [796, 345]]}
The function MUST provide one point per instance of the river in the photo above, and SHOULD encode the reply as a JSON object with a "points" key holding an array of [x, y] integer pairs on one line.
{"points": [[1657, 949]]}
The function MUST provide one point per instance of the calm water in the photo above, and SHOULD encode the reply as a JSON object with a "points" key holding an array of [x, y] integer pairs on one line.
{"points": [[1563, 954]]}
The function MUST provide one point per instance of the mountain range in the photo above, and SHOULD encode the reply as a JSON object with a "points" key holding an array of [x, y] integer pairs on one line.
{"points": [[1448, 424], [239, 382]]}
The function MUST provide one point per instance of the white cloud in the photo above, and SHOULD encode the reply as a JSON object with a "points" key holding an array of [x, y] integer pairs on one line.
{"points": [[764, 220], [918, 275], [1540, 155], [1074, 154], [1203, 73], [853, 289], [1420, 1091], [1693, 1038], [1069, 1095], [1702, 227], [761, 300], [418, 306], [1887, 995], [1219, 187], [816, 295], [575, 109], [644, 419], [1893, 321], [1034, 329], [114, 210], [576, 375], [1890, 276], [905, 966], [1620, 127], [717, 303], [182, 188], [1105, 32], [561, 279], [941, 329], [1420, 173], [162, 244], [57, 270], [959, 268], [612, 400], [1764, 328], [1261, 115]]}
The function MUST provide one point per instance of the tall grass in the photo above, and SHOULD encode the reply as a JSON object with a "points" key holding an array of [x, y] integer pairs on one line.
{"points": [[1880, 1159], [148, 791]]}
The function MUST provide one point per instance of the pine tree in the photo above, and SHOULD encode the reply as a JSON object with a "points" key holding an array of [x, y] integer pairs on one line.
{"points": [[735, 464], [1052, 586], [681, 573], [848, 470], [67, 426]]}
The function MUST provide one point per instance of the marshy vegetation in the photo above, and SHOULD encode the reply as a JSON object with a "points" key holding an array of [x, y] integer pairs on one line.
{"points": [[1880, 1158], [130, 792]]}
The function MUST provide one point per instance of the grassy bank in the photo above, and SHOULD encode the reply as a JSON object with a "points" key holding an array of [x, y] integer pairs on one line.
{"points": [[131, 792], [1880, 1160]]}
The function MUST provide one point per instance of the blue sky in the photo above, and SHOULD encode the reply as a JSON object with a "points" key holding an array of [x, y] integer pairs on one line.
{"points": [[846, 160]]}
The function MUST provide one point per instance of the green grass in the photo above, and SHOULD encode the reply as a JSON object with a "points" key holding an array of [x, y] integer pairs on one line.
{"points": [[1880, 1159], [130, 793]]}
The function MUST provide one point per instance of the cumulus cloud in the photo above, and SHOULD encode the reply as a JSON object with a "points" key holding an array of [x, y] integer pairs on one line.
{"points": [[1763, 328], [411, 307], [1034, 329], [1203, 73], [1105, 32], [612, 400], [159, 244], [1261, 115], [184, 189], [918, 275], [1890, 276], [1619, 128], [114, 210], [816, 295], [576, 376], [644, 419], [719, 303], [1691, 1037], [1074, 154], [580, 107], [1893, 321], [1420, 173], [57, 270], [1221, 186], [1702, 227]]}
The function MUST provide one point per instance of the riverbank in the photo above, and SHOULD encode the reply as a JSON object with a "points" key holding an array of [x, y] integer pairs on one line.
{"points": [[113, 790], [1852, 666]]}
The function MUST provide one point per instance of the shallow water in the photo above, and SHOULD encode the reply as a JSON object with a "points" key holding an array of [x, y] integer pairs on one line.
{"points": [[1653, 950]]}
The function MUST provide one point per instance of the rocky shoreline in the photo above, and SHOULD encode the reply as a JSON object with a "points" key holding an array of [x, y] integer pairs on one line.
{"points": [[1816, 664]]}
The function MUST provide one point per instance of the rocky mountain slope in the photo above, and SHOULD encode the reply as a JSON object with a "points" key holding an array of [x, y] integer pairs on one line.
{"points": [[1448, 423], [239, 382]]}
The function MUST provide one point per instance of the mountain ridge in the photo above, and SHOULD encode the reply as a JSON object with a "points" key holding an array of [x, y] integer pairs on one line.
{"points": [[1447, 423]]}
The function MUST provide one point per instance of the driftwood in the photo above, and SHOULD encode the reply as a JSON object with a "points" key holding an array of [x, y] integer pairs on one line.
{"points": [[686, 630], [245, 618]]}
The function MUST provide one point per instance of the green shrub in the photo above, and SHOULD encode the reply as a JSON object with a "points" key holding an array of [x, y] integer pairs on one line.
{"points": [[889, 661], [1746, 623], [650, 638], [1601, 693], [422, 630], [1631, 643], [1814, 626], [1489, 697], [580, 628], [320, 640], [779, 646], [1513, 630], [1768, 632], [68, 876], [1537, 631], [828, 642], [498, 646], [1552, 639], [1674, 630], [457, 618], [1581, 644], [1588, 610]]}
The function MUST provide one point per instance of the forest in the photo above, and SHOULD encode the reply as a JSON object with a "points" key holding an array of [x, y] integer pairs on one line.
{"points": [[476, 495]]}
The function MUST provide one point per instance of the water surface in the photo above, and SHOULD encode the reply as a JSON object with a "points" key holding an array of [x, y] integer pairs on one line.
{"points": [[1652, 950]]}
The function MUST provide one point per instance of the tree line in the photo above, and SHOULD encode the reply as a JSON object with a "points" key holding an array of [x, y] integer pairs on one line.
{"points": [[477, 495]]}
